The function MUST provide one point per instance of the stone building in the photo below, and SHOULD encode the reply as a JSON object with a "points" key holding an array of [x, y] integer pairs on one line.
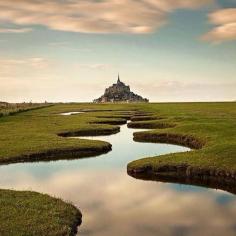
{"points": [[119, 92]]}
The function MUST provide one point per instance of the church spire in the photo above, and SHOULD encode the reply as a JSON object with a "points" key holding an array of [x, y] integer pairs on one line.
{"points": [[118, 81]]}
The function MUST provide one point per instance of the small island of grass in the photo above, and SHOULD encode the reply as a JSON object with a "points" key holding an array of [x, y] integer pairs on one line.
{"points": [[28, 213]]}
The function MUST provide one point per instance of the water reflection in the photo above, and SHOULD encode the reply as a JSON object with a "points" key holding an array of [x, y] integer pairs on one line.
{"points": [[210, 182], [112, 203], [71, 113]]}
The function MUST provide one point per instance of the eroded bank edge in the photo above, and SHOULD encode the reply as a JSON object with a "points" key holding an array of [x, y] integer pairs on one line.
{"points": [[178, 173]]}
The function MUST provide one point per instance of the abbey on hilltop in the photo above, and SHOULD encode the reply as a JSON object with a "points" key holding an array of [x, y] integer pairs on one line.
{"points": [[119, 92]]}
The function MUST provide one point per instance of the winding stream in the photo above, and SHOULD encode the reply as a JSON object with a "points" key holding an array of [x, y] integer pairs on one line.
{"points": [[113, 203]]}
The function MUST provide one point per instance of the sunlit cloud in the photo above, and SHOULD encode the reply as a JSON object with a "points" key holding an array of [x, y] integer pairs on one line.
{"points": [[225, 29], [15, 31], [90, 16]]}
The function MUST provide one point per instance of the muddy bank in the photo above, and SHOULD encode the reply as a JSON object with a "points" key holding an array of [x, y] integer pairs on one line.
{"points": [[59, 154], [183, 140], [125, 117], [143, 113], [92, 132], [76, 222], [150, 125], [185, 174], [145, 118], [110, 122]]}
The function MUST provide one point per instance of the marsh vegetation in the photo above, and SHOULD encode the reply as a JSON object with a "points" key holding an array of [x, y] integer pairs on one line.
{"points": [[45, 135]]}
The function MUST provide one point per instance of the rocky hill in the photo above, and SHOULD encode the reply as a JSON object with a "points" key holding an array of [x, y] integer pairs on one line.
{"points": [[119, 92]]}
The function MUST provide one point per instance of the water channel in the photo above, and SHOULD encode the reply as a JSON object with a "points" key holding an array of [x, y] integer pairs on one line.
{"points": [[113, 203]]}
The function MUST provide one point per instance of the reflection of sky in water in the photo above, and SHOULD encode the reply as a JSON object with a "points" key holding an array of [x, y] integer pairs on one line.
{"points": [[71, 113], [113, 203]]}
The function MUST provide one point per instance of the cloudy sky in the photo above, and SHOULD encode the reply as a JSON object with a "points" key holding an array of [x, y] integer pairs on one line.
{"points": [[70, 50]]}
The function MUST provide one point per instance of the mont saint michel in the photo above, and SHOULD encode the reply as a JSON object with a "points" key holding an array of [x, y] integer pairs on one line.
{"points": [[119, 92]]}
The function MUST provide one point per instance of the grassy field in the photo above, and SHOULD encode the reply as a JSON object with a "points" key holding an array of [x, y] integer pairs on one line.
{"points": [[29, 213], [33, 135], [208, 128]]}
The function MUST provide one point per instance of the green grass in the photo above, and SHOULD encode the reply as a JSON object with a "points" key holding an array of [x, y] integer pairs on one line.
{"points": [[36, 132], [213, 124], [25, 213]]}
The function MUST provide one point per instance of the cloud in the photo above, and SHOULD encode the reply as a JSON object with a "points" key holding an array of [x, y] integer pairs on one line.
{"points": [[16, 31], [38, 62], [225, 29], [93, 66], [21, 67], [90, 16]]}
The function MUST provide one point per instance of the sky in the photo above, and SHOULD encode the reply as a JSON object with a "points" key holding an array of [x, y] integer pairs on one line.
{"points": [[71, 50]]}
